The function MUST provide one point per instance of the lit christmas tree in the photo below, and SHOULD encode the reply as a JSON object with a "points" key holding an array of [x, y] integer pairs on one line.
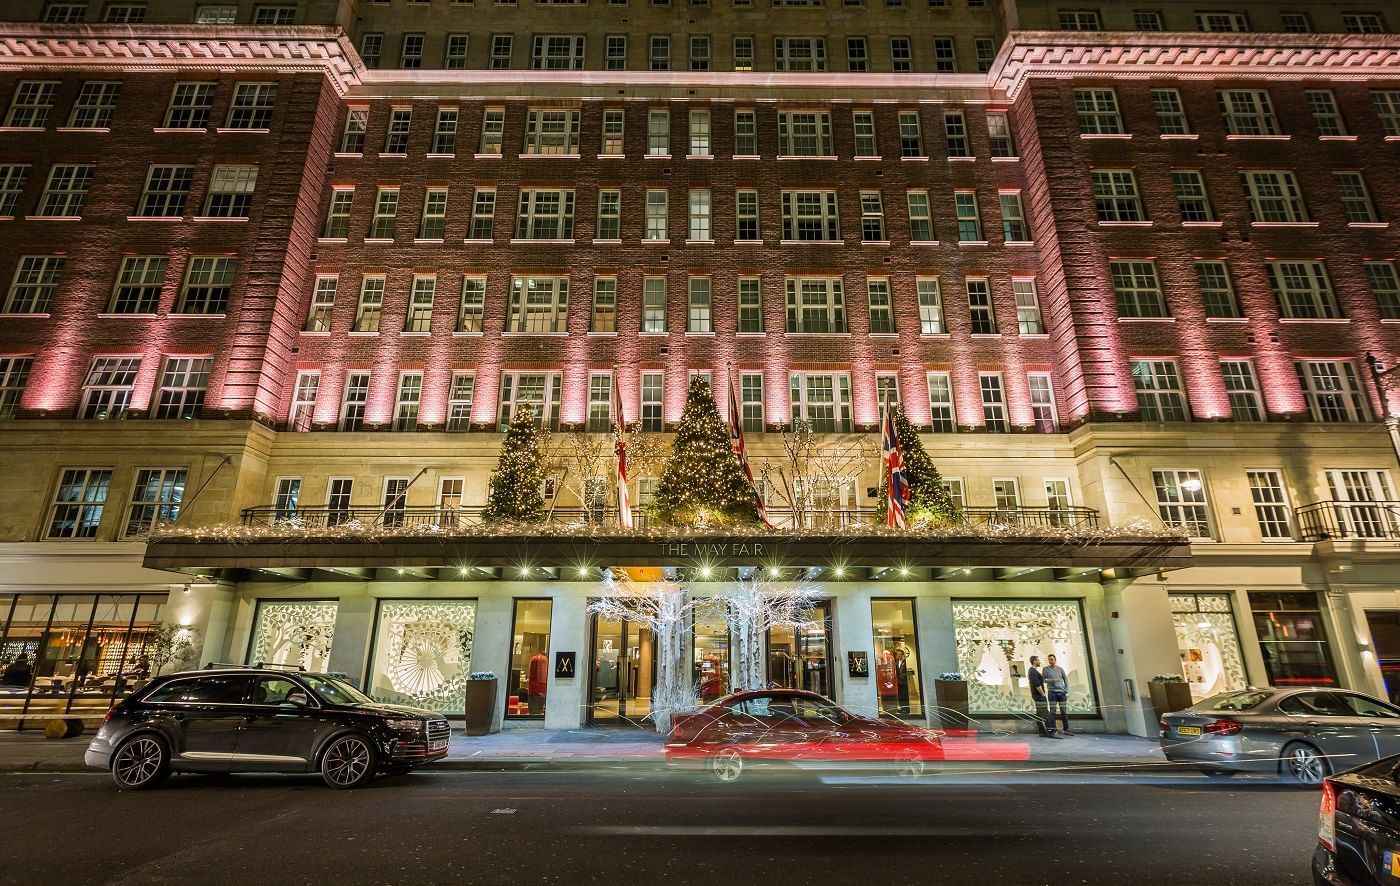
{"points": [[515, 493], [928, 502], [703, 483]]}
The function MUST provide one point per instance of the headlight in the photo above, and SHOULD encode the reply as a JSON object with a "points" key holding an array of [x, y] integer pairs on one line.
{"points": [[414, 726]]}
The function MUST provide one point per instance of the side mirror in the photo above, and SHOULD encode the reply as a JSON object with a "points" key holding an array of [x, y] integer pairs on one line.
{"points": [[298, 698]]}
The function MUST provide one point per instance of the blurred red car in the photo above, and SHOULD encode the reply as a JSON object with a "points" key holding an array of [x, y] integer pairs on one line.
{"points": [[795, 727]]}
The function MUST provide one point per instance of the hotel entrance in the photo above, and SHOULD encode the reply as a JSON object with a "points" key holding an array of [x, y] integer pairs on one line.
{"points": [[624, 671]]}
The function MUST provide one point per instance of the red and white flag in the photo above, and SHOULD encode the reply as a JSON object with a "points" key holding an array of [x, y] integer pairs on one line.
{"points": [[736, 442], [896, 482], [624, 496]]}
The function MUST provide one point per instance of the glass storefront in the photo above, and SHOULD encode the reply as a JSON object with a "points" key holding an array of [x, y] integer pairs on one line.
{"points": [[800, 658], [624, 669], [1385, 641], [80, 652], [527, 684], [1208, 643], [996, 639], [1292, 639], [710, 655], [422, 653], [294, 632], [896, 644]]}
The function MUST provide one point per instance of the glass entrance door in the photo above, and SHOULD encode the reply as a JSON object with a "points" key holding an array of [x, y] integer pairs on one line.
{"points": [[624, 670], [800, 658]]}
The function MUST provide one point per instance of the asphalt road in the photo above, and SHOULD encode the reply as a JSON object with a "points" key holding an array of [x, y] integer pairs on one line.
{"points": [[625, 827]]}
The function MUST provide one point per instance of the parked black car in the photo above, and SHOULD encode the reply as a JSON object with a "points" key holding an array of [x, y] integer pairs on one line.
{"points": [[1358, 828], [256, 719]]}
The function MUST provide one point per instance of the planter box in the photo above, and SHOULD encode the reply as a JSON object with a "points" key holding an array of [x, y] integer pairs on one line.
{"points": [[1169, 697], [480, 711], [952, 703]]}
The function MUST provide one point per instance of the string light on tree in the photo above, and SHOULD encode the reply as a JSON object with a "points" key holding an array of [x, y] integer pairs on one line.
{"points": [[703, 483], [515, 494], [929, 502]]}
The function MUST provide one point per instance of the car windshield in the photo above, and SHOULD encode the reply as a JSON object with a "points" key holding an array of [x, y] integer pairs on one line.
{"points": [[333, 691], [1234, 701]]}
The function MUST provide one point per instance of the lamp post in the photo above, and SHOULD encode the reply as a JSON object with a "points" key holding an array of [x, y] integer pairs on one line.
{"points": [[1385, 380]]}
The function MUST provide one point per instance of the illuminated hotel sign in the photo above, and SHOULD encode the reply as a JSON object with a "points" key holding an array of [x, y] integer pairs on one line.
{"points": [[715, 549]]}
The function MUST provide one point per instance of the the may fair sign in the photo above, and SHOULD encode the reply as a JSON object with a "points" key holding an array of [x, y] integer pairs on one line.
{"points": [[716, 549]]}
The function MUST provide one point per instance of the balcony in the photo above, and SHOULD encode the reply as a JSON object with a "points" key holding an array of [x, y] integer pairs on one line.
{"points": [[1359, 520]]}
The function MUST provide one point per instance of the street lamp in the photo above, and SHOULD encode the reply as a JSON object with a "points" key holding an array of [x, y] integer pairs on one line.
{"points": [[1386, 380]]}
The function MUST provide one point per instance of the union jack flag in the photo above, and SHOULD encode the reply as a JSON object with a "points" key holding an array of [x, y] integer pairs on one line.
{"points": [[736, 442], [892, 458], [624, 496]]}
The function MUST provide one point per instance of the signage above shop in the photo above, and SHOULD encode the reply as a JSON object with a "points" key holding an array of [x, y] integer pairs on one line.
{"points": [[718, 549]]}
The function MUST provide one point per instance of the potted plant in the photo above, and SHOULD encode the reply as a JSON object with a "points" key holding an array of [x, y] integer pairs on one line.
{"points": [[951, 690], [1169, 692], [481, 703]]}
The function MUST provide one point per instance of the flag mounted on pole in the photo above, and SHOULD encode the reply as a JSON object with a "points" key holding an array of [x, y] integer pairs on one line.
{"points": [[736, 442], [624, 496], [892, 459]]}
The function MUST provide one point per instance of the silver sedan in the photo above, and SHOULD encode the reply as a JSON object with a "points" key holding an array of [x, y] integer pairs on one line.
{"points": [[1301, 734]]}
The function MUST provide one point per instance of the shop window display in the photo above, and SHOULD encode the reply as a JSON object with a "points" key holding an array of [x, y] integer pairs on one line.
{"points": [[896, 647], [527, 685], [1292, 639], [711, 651], [294, 632], [800, 658], [422, 653], [996, 639], [1208, 643]]}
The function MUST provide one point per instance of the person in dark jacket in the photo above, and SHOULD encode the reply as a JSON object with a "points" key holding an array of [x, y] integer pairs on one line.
{"points": [[1042, 707]]}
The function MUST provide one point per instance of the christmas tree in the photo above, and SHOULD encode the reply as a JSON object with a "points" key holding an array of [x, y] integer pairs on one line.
{"points": [[929, 501], [703, 483], [515, 495]]}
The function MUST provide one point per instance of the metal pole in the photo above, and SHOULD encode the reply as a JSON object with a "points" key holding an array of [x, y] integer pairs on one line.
{"points": [[1383, 379]]}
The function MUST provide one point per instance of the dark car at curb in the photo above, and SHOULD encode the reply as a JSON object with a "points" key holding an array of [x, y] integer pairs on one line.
{"points": [[256, 719], [1358, 828]]}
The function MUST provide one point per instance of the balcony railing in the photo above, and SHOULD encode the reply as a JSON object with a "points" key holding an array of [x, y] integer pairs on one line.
{"points": [[1349, 519]]}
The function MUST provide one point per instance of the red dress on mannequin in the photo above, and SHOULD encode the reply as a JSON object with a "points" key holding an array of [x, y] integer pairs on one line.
{"points": [[537, 681]]}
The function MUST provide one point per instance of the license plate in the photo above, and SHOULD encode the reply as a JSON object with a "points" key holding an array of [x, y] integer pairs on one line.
{"points": [[1390, 864], [437, 744], [1188, 730]]}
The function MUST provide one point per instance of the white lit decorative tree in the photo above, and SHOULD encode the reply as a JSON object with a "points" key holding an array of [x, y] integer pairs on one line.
{"points": [[754, 607]]}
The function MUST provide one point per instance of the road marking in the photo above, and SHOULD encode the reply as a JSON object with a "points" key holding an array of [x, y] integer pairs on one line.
{"points": [[506, 811]]}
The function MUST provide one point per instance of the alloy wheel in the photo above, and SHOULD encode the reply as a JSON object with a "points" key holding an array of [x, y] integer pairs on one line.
{"points": [[1305, 766], [139, 762], [346, 762], [727, 766]]}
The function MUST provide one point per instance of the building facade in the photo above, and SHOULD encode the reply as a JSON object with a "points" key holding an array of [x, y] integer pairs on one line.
{"points": [[276, 276]]}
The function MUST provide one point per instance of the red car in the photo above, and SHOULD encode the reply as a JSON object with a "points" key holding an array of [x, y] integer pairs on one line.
{"points": [[791, 726]]}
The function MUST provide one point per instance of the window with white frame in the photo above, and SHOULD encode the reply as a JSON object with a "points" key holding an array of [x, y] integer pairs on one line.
{"points": [[1171, 113], [454, 53], [493, 129], [34, 283], [1270, 504], [815, 304], [471, 316], [538, 389], [604, 315], [911, 140], [339, 491], [1363, 22], [699, 134], [609, 226], [614, 122], [901, 55], [190, 105], [940, 398], [337, 225], [969, 217], [557, 52], [420, 304], [654, 304], [459, 401], [1355, 196], [799, 53], [955, 130], [945, 56], [979, 303], [1013, 218], [1303, 290], [1137, 289], [920, 217], [956, 493], [746, 216], [371, 305], [930, 306], [653, 394], [615, 52], [993, 401], [274, 15], [1221, 22], [308, 385], [872, 217], [1028, 317], [1079, 20], [700, 227], [208, 284], [545, 215], [483, 225], [318, 317], [1385, 286], [1387, 105], [750, 305], [410, 394], [599, 403], [502, 46], [810, 215], [434, 220], [411, 56], [751, 401], [656, 215], [386, 210], [252, 106], [1043, 402], [1006, 493], [866, 143], [445, 132], [881, 310], [1057, 498], [659, 52], [72, 13], [551, 132], [1116, 195], [32, 102], [1247, 111], [108, 387], [352, 403], [65, 190], [1098, 112], [165, 191], [93, 107], [857, 54], [1181, 501], [821, 401], [14, 375], [804, 134], [155, 499], [371, 49], [999, 135], [13, 177], [886, 389], [1274, 196], [743, 52], [183, 383], [1217, 289], [140, 281], [1242, 387], [1160, 395], [1332, 390], [231, 191], [985, 50], [1322, 104], [79, 499], [397, 132], [745, 133], [538, 305], [1295, 23], [1191, 197], [700, 312]]}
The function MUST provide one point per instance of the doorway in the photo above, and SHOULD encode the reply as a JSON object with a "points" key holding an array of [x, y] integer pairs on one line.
{"points": [[800, 657], [624, 671]]}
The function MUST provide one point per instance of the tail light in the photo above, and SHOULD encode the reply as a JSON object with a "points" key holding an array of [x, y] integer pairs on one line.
{"points": [[1222, 727], [108, 716], [1327, 818]]}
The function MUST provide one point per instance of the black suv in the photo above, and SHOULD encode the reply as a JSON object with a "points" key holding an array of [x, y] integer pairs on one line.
{"points": [[256, 719]]}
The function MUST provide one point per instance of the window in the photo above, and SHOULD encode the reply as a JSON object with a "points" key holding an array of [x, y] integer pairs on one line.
{"points": [[999, 135], [493, 126], [420, 304], [658, 133], [896, 649], [1363, 23], [274, 15], [406, 403], [750, 305], [656, 215], [1044, 415], [1385, 286], [1323, 106], [613, 121], [1356, 199], [1171, 114], [1247, 111], [1013, 218], [65, 191], [35, 281], [557, 52], [955, 127], [371, 49], [1332, 390], [1274, 196], [183, 381], [604, 316], [1243, 390], [14, 375], [1160, 395], [139, 283], [1191, 196], [863, 123], [386, 211], [654, 304], [1028, 317], [699, 134], [190, 104], [615, 52], [540, 390], [911, 142], [545, 215], [165, 192], [901, 55], [751, 401], [371, 305], [985, 49], [993, 402], [822, 402], [454, 55], [881, 311], [940, 398], [810, 215], [65, 13], [699, 52], [471, 316], [459, 401], [1295, 23], [979, 302], [743, 53], [445, 132], [969, 219], [231, 191], [1006, 493], [1221, 22], [338, 495], [1147, 20], [1137, 289], [501, 45], [318, 318], [799, 53], [872, 217], [652, 394], [945, 57], [804, 134], [338, 214], [78, 503], [745, 134], [352, 404], [857, 55], [252, 106], [483, 215], [920, 218], [1303, 290], [930, 307], [308, 384], [1293, 642], [746, 216], [609, 215], [94, 106], [155, 498], [1217, 290], [1387, 105], [411, 57], [108, 386], [815, 304], [13, 177], [1116, 195], [287, 496], [551, 132], [659, 52], [599, 403], [1098, 111], [1181, 501], [538, 304], [434, 219], [30, 107], [208, 284], [699, 230], [1080, 20]]}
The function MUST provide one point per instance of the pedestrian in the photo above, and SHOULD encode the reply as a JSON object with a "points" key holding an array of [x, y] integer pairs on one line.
{"points": [[1043, 724], [1057, 688]]}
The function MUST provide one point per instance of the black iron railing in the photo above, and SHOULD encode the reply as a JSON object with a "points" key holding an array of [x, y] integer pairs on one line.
{"points": [[1348, 519]]}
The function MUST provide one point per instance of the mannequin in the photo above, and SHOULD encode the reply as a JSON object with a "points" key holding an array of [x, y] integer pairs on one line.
{"points": [[900, 653], [537, 682], [885, 681]]}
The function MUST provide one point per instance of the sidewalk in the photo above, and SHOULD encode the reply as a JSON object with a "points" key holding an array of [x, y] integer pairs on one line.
{"points": [[550, 749]]}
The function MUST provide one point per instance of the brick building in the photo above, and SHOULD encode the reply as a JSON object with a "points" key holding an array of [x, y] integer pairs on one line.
{"points": [[282, 271]]}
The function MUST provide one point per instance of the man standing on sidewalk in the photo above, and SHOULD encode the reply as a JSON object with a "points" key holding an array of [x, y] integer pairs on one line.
{"points": [[1043, 723], [1057, 687]]}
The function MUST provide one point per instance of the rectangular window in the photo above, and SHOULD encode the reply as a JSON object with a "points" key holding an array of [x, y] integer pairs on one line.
{"points": [[821, 402], [615, 52], [231, 191], [945, 56], [930, 307], [1243, 390], [1363, 23], [386, 211], [1137, 289], [979, 303], [371, 305], [743, 53], [140, 281], [895, 645], [318, 318], [881, 310], [545, 215], [155, 499], [32, 102], [699, 317], [1303, 290], [445, 132], [493, 127], [68, 13], [338, 214], [551, 132], [810, 215], [911, 141], [1098, 112], [750, 305], [993, 402], [1274, 196], [483, 215], [183, 382], [411, 57], [94, 105], [886, 389], [472, 315], [1270, 504], [339, 492], [604, 317], [1247, 111], [1171, 113], [1323, 106], [1181, 501], [658, 133], [613, 123], [863, 123], [653, 304], [352, 404], [208, 285], [165, 192], [1191, 197], [1013, 218], [1333, 390], [699, 52], [999, 136], [1387, 105], [656, 215], [308, 385], [1043, 408], [599, 403], [420, 304], [746, 216], [13, 177], [459, 401], [78, 502], [857, 55], [700, 228], [454, 56], [65, 191], [659, 52], [940, 398], [1028, 316], [751, 401], [652, 401], [252, 106], [815, 304], [1356, 198], [799, 53], [190, 104], [1116, 195], [540, 390], [955, 128], [699, 134], [14, 375], [1221, 22], [920, 217], [406, 403], [557, 52], [395, 501], [745, 134], [108, 387], [501, 46], [1079, 20], [872, 217], [434, 219], [1160, 395], [609, 215], [969, 218], [538, 304], [371, 49], [1385, 286], [33, 286], [986, 51], [1217, 290], [1295, 23], [802, 134], [901, 55]]}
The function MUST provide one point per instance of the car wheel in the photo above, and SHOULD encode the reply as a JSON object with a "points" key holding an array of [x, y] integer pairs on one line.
{"points": [[141, 763], [910, 765], [1303, 766], [348, 762], [727, 766]]}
